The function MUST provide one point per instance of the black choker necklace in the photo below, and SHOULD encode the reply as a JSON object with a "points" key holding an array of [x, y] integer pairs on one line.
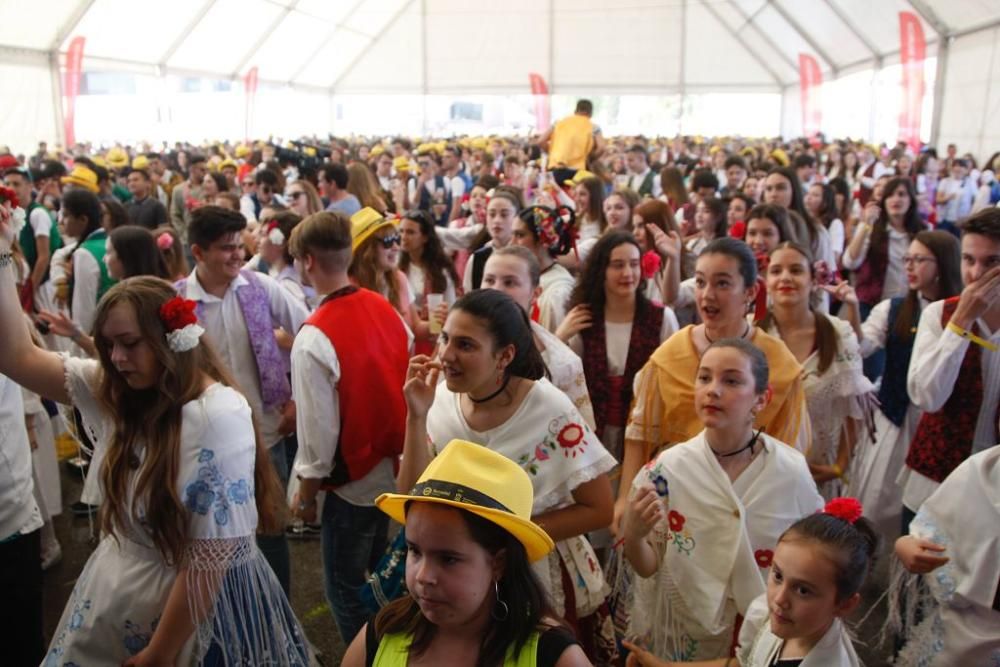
{"points": [[506, 381], [749, 445], [742, 335]]}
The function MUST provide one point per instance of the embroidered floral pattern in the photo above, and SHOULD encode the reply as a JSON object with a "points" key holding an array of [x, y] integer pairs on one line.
{"points": [[764, 558], [677, 535], [659, 482], [566, 436], [213, 491], [687, 650], [136, 638], [76, 620]]}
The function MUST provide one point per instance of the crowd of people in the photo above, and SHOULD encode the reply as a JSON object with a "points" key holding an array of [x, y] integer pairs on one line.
{"points": [[634, 401]]}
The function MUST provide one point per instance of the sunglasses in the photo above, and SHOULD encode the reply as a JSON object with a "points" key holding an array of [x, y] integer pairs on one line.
{"points": [[389, 241], [296, 195]]}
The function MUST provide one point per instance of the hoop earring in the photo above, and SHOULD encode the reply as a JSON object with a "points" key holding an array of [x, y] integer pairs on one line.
{"points": [[500, 610]]}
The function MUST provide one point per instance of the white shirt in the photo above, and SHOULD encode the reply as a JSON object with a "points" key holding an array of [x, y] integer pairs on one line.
{"points": [[557, 284], [417, 279], [41, 223], [875, 329], [618, 335], [315, 375], [836, 230], [635, 181], [959, 207], [19, 513], [226, 328], [894, 283], [86, 281], [934, 367]]}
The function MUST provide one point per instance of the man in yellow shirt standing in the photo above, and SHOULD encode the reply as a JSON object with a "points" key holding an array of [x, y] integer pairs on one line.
{"points": [[571, 141]]}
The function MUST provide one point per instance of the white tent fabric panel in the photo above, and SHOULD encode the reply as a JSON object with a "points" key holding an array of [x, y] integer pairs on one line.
{"points": [[878, 21], [330, 62], [970, 117], [21, 24], [615, 48], [713, 58], [133, 31], [830, 33], [28, 102], [754, 39], [392, 61], [287, 48], [962, 15], [225, 35], [485, 48]]}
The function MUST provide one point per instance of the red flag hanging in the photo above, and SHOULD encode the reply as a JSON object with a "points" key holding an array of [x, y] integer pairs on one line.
{"points": [[541, 92], [250, 88], [810, 85], [74, 66], [912, 51]]}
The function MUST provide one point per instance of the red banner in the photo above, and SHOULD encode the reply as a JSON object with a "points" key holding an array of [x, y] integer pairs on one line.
{"points": [[810, 87], [540, 90], [250, 88], [74, 66], [912, 51]]}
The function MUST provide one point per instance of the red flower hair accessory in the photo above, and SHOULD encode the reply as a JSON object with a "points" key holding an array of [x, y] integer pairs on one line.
{"points": [[650, 264], [8, 195], [848, 509], [179, 319]]}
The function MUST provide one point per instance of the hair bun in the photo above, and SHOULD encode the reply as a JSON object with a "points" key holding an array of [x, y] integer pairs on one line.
{"points": [[848, 509]]}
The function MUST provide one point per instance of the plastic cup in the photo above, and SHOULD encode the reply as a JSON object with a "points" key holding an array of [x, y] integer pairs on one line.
{"points": [[433, 302]]}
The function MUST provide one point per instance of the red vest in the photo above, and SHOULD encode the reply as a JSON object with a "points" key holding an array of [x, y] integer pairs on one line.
{"points": [[944, 438], [869, 279], [371, 345]]}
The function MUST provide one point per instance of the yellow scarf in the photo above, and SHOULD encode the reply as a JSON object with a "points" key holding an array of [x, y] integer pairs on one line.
{"points": [[673, 367]]}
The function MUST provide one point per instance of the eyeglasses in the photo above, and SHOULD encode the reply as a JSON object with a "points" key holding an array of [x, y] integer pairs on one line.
{"points": [[389, 241], [247, 183], [917, 259]]}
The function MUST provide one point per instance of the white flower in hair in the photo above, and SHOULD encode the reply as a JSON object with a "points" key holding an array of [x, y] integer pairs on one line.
{"points": [[184, 339], [275, 236]]}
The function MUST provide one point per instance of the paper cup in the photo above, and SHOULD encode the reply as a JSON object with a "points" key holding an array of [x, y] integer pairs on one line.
{"points": [[433, 302]]}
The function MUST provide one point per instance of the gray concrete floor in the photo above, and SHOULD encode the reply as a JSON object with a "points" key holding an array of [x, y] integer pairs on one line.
{"points": [[308, 600]]}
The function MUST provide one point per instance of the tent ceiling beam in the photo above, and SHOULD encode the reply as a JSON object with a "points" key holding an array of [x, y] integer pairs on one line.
{"points": [[930, 16], [746, 44], [183, 34], [805, 35], [315, 52], [259, 42], [66, 29], [749, 23], [849, 22], [971, 30], [371, 42]]}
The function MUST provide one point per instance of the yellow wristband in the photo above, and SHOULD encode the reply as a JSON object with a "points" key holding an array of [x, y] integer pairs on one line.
{"points": [[837, 470], [982, 342]]}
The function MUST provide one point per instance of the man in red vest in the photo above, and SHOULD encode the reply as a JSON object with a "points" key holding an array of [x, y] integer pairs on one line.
{"points": [[954, 373], [349, 363]]}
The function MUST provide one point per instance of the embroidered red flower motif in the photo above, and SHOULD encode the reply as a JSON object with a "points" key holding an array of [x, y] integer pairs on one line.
{"points": [[738, 230], [541, 454], [676, 521], [178, 313], [763, 557], [650, 264], [570, 436], [848, 509], [190, 203]]}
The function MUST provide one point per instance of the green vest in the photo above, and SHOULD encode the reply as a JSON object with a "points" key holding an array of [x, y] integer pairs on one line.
{"points": [[95, 245], [394, 651], [27, 238]]}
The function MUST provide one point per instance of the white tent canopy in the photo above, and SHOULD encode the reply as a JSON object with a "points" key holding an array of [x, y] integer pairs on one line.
{"points": [[331, 48]]}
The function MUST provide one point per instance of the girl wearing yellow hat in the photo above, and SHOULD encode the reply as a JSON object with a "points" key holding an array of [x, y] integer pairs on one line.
{"points": [[495, 392], [473, 599]]}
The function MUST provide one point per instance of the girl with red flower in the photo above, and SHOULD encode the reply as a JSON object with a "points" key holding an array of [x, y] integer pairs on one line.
{"points": [[701, 552], [186, 482]]}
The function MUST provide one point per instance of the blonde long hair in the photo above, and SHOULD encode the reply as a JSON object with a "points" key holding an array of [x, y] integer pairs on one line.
{"points": [[151, 419], [362, 184]]}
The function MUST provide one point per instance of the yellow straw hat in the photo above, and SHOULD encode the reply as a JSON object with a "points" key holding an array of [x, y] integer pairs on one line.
{"points": [[401, 163], [117, 158], [82, 177], [580, 175], [364, 223], [140, 162], [228, 162], [478, 480]]}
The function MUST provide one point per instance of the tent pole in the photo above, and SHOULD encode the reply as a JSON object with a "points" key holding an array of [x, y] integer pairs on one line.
{"points": [[681, 66], [423, 59], [57, 98], [873, 108], [944, 46]]}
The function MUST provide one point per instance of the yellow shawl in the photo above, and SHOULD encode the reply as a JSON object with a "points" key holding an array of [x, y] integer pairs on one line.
{"points": [[673, 367]]}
